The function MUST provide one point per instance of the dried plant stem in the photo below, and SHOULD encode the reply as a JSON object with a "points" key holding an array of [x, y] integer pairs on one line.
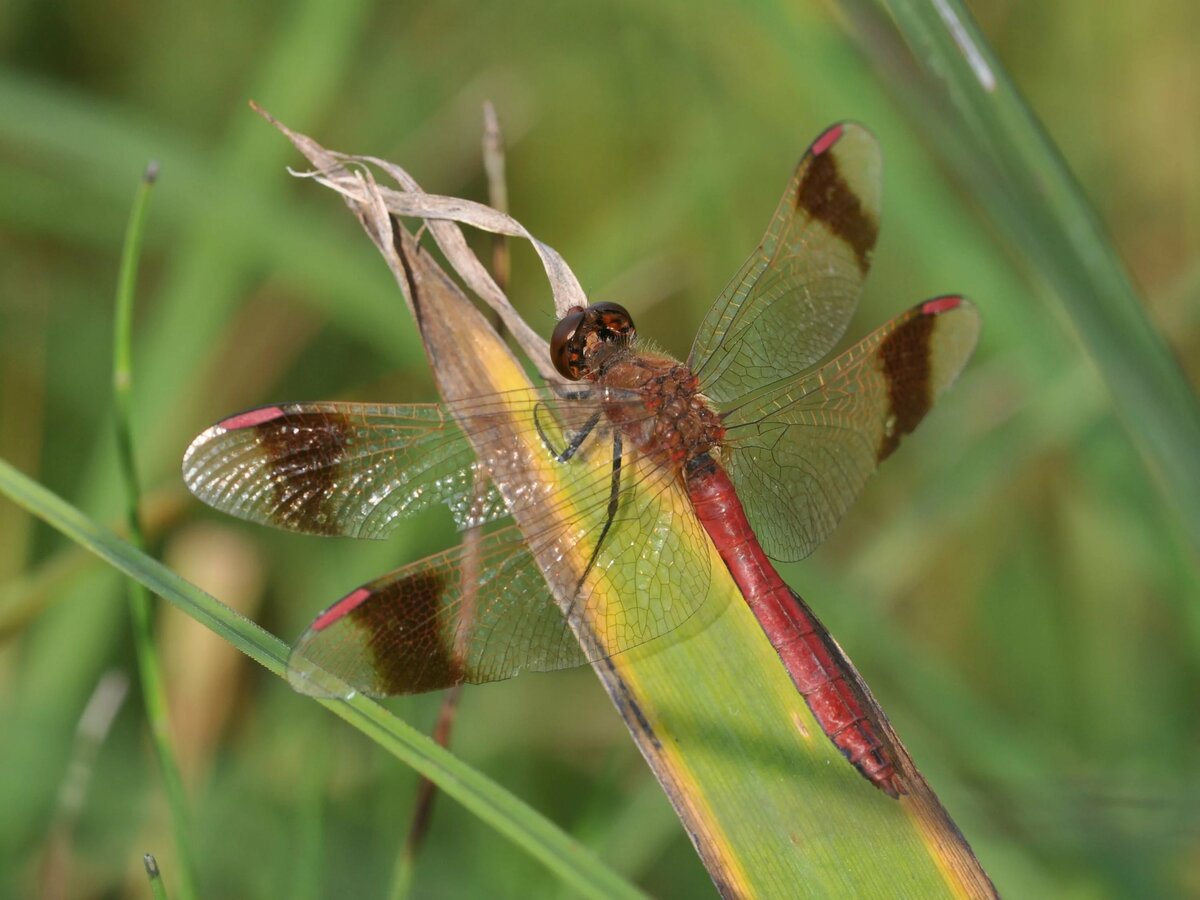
{"points": [[493, 163], [90, 733]]}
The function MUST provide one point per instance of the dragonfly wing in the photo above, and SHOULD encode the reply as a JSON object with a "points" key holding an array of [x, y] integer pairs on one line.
{"points": [[485, 611], [356, 468], [337, 468], [800, 453], [478, 612], [793, 298]]}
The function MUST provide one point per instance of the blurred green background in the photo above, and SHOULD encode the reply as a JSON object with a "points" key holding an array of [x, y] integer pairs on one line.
{"points": [[1011, 586]]}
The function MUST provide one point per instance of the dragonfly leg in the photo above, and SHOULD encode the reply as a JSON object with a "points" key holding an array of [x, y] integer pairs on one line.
{"points": [[610, 515], [576, 440]]}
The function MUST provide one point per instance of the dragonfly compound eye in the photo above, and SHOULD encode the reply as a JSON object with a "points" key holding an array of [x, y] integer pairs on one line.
{"points": [[582, 332], [566, 344], [612, 322]]}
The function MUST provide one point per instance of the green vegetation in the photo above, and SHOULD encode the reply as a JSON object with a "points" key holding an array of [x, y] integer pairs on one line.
{"points": [[1014, 586]]}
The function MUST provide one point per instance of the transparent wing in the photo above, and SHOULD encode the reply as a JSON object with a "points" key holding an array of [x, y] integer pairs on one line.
{"points": [[793, 298], [485, 612], [800, 453], [355, 469]]}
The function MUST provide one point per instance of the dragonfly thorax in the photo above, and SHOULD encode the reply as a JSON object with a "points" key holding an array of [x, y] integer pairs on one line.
{"points": [[675, 422]]}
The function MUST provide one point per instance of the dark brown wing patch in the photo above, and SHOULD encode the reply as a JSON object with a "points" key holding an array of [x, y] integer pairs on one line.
{"points": [[826, 196], [305, 450], [402, 624], [904, 358]]}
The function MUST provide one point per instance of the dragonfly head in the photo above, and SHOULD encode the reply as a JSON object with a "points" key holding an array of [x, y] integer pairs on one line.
{"points": [[585, 337]]}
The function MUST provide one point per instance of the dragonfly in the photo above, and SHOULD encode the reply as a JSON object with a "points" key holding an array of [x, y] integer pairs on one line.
{"points": [[756, 443]]}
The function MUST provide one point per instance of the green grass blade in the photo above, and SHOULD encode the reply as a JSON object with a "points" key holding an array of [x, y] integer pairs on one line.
{"points": [[1030, 193], [154, 693], [525, 827]]}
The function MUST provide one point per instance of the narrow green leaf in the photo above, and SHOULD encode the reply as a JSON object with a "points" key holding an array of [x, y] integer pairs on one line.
{"points": [[574, 864], [1005, 155]]}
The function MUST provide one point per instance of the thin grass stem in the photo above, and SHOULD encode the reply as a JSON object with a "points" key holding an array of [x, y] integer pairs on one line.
{"points": [[154, 694], [157, 887]]}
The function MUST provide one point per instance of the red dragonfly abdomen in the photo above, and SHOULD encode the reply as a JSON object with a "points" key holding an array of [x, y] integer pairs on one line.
{"points": [[813, 661]]}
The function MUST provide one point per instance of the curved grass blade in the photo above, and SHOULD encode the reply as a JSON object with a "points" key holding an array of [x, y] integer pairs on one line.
{"points": [[574, 864], [1007, 158]]}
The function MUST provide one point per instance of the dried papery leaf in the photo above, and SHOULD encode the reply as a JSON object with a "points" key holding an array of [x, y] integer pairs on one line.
{"points": [[441, 215], [469, 359], [565, 286]]}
